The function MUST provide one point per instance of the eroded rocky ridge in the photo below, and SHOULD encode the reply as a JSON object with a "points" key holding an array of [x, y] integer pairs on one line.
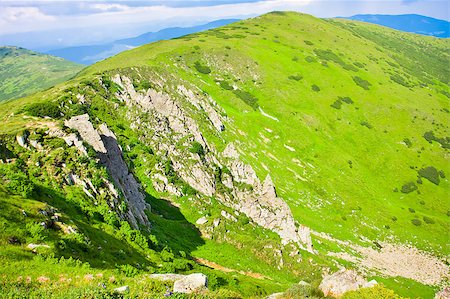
{"points": [[167, 123], [108, 150]]}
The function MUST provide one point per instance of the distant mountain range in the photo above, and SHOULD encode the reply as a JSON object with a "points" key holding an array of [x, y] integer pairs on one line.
{"points": [[409, 23], [23, 72], [93, 53]]}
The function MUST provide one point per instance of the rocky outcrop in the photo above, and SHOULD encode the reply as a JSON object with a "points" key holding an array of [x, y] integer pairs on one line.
{"points": [[169, 126], [263, 205], [344, 280], [105, 144], [190, 283]]}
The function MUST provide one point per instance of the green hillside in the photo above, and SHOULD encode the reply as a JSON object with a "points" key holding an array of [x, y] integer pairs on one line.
{"points": [[23, 72], [350, 120]]}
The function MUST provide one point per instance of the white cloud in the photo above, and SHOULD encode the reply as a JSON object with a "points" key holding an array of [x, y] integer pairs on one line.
{"points": [[25, 19], [108, 7], [23, 14]]}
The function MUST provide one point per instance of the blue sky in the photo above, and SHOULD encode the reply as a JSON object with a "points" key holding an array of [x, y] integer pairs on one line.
{"points": [[60, 23]]}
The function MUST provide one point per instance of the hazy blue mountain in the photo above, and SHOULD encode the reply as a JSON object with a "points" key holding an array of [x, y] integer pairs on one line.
{"points": [[409, 23], [93, 53]]}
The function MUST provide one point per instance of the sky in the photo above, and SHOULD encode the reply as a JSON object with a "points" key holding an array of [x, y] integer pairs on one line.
{"points": [[44, 25]]}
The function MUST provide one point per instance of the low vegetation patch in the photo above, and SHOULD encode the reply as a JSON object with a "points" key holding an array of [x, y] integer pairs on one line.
{"points": [[430, 173], [202, 68], [361, 82], [409, 187], [247, 97]]}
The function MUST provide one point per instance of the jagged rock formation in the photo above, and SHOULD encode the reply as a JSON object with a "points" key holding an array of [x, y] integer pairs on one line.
{"points": [[105, 144], [190, 283], [169, 122], [344, 280]]}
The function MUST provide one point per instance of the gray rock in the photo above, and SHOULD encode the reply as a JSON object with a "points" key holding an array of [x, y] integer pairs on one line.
{"points": [[22, 141], [338, 283], [191, 283], [108, 150], [122, 290], [202, 220], [370, 284], [34, 246], [275, 296]]}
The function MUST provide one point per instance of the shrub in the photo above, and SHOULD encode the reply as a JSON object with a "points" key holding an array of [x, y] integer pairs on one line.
{"points": [[399, 80], [337, 104], [50, 109], [409, 187], [310, 59], [430, 173], [295, 77], [197, 148], [16, 181], [378, 291], [416, 222], [315, 88], [411, 210], [128, 270], [225, 85], [202, 68], [407, 142], [247, 97], [366, 124], [362, 83], [428, 220], [302, 291], [36, 232], [347, 100], [309, 43]]}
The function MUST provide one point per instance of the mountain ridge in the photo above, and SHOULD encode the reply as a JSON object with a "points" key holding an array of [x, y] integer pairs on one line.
{"points": [[408, 22], [92, 53], [351, 143]]}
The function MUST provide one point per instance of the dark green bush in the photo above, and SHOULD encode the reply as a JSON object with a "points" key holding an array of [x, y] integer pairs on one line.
{"points": [[337, 104], [409, 187], [430, 173], [430, 137], [366, 124], [347, 100], [362, 83], [202, 68], [295, 77], [428, 220], [416, 222], [197, 148], [225, 85], [399, 80], [310, 59], [247, 97], [315, 88], [50, 109], [309, 43], [407, 142]]}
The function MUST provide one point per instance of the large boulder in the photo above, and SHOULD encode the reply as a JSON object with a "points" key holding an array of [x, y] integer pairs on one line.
{"points": [[338, 283], [190, 283]]}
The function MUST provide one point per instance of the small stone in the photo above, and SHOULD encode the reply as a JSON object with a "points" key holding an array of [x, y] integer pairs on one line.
{"points": [[190, 283], [202, 220], [122, 290]]}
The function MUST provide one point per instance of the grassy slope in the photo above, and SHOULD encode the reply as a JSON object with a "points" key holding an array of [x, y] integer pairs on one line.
{"points": [[277, 46], [24, 72], [324, 189]]}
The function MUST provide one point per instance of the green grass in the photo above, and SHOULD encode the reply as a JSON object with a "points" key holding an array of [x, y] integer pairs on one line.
{"points": [[24, 72], [366, 123]]}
